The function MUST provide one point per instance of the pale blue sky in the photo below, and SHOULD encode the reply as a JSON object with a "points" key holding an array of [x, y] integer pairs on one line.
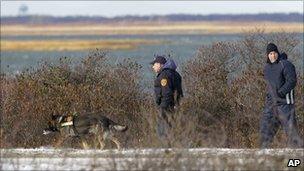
{"points": [[118, 8]]}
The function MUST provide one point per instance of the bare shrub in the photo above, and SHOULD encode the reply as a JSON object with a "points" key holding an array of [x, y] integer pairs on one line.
{"points": [[94, 85], [226, 79], [223, 85]]}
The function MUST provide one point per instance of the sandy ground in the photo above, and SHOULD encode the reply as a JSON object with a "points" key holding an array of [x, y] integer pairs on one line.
{"points": [[154, 159]]}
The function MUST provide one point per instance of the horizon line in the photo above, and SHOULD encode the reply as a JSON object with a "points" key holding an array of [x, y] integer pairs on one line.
{"points": [[148, 15]]}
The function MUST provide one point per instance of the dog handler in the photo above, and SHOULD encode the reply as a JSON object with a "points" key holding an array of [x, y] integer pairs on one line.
{"points": [[168, 91], [280, 76]]}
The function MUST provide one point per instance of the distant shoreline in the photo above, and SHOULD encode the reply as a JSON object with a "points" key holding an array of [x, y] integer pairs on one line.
{"points": [[178, 17], [152, 28]]}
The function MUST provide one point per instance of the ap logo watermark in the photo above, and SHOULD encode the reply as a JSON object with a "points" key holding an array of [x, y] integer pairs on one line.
{"points": [[293, 162]]}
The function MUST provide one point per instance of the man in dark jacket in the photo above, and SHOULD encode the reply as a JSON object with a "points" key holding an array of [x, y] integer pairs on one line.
{"points": [[177, 82], [281, 79], [168, 91]]}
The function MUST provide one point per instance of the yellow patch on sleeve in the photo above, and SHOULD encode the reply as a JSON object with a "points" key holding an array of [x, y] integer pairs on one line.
{"points": [[163, 82]]}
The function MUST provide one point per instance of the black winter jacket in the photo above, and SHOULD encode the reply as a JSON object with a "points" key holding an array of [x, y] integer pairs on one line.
{"points": [[281, 80]]}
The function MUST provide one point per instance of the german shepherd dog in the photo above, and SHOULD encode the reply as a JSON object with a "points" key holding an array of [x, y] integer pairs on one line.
{"points": [[101, 127]]}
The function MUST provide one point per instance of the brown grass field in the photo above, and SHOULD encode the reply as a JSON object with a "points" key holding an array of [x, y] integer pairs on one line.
{"points": [[150, 28], [135, 28], [60, 45]]}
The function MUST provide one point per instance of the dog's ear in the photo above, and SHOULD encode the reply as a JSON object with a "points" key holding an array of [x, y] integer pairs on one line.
{"points": [[60, 119]]}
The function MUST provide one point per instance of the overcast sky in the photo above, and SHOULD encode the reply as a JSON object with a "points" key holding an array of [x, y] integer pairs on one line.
{"points": [[118, 8]]}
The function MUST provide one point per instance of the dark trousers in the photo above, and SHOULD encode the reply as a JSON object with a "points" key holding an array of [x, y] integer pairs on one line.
{"points": [[164, 124], [273, 117]]}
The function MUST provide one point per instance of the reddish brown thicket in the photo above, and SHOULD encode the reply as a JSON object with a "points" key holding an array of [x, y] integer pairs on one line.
{"points": [[94, 85], [224, 96], [226, 79]]}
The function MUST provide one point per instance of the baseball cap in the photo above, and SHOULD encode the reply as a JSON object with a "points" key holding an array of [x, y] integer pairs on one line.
{"points": [[159, 59]]}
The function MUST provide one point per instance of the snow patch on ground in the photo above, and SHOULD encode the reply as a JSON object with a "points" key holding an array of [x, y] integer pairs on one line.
{"points": [[48, 158]]}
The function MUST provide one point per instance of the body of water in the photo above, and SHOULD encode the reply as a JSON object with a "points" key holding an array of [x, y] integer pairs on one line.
{"points": [[181, 48]]}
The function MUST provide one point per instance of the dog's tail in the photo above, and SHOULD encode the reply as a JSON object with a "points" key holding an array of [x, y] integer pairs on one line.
{"points": [[120, 128]]}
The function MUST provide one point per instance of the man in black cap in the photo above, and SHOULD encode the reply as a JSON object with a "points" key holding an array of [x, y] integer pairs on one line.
{"points": [[166, 84], [281, 79]]}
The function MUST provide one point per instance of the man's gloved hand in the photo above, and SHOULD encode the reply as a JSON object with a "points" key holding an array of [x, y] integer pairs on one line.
{"points": [[281, 94], [158, 101]]}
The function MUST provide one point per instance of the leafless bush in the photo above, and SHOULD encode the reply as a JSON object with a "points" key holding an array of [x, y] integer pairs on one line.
{"points": [[223, 103], [226, 79], [94, 85]]}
